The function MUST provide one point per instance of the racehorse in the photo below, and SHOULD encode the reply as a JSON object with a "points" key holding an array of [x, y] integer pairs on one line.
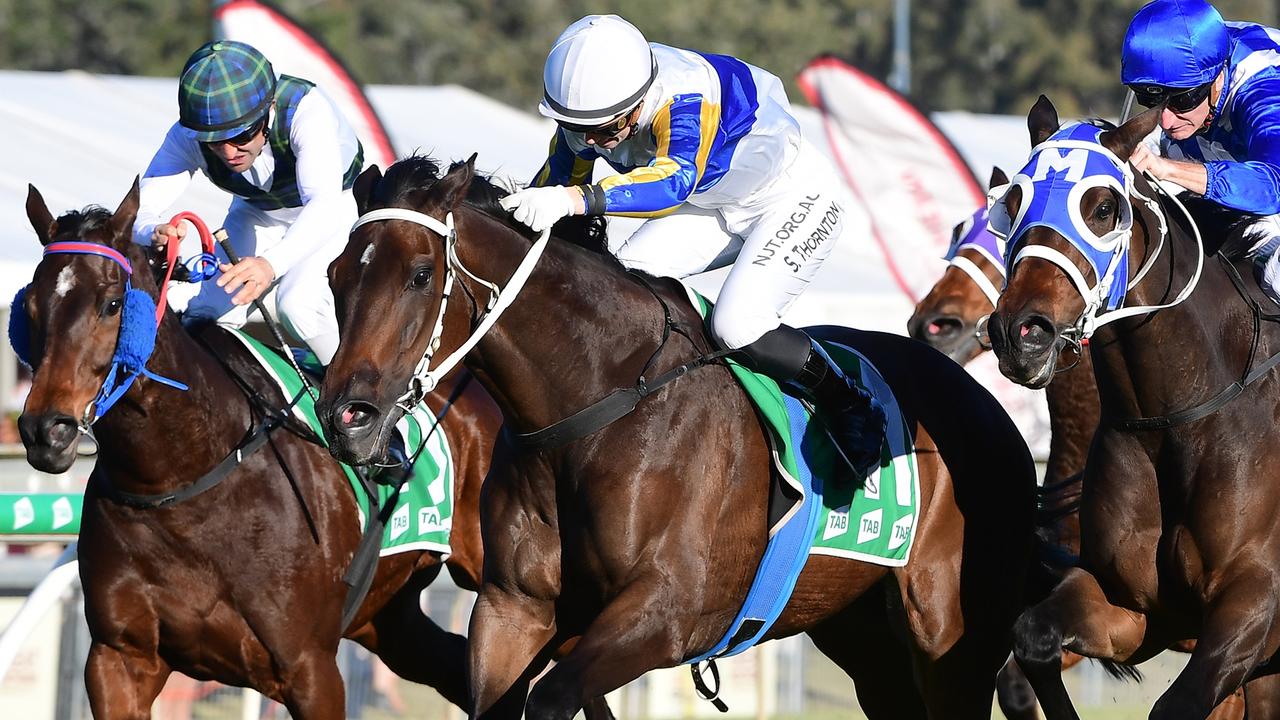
{"points": [[949, 318], [642, 535], [242, 583], [1178, 535]]}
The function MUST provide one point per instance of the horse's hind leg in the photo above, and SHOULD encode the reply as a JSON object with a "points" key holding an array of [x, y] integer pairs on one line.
{"points": [[416, 648], [120, 685], [861, 641], [1098, 630], [1014, 694]]}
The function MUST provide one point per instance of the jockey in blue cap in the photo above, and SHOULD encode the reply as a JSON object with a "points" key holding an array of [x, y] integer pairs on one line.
{"points": [[1221, 85]]}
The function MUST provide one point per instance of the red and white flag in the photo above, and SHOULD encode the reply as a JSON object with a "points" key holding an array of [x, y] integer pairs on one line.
{"points": [[294, 51]]}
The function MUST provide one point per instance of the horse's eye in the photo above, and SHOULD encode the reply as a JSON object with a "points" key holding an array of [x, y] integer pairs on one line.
{"points": [[1104, 211], [421, 278], [112, 307]]}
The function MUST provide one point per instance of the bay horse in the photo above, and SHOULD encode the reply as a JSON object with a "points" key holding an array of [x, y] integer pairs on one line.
{"points": [[1178, 538], [949, 319], [243, 583], [643, 535]]}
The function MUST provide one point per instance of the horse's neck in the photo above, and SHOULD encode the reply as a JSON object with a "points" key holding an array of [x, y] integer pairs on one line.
{"points": [[1176, 358], [158, 438], [1073, 417], [577, 331]]}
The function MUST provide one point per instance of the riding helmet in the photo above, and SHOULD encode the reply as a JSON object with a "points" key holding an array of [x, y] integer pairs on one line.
{"points": [[1174, 43], [599, 68], [225, 88]]}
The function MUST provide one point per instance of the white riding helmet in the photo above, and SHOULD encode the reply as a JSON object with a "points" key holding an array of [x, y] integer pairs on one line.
{"points": [[599, 68]]}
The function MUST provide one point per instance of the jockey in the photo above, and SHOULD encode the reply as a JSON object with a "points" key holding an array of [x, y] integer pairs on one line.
{"points": [[708, 150], [289, 157], [1221, 85]]}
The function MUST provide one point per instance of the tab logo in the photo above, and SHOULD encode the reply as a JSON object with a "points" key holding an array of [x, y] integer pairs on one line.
{"points": [[837, 523], [24, 513], [62, 513], [869, 525], [429, 521], [400, 522], [901, 532]]}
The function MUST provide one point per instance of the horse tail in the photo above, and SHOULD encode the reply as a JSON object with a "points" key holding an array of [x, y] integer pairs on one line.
{"points": [[1056, 547], [1121, 672]]}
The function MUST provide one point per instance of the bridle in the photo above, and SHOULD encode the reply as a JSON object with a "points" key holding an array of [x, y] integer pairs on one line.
{"points": [[425, 378]]}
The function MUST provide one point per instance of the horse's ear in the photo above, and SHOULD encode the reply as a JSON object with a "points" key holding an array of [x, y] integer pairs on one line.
{"points": [[1125, 138], [122, 219], [38, 213], [363, 188], [452, 188], [998, 178], [1042, 121]]}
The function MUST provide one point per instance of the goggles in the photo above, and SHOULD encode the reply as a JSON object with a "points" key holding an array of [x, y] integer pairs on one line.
{"points": [[247, 136], [605, 130], [1179, 100]]}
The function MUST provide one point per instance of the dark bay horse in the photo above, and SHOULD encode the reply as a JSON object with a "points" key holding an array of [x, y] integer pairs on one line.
{"points": [[948, 318], [1178, 532], [643, 536], [241, 584]]}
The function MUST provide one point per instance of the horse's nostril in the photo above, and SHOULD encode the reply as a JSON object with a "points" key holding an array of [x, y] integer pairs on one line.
{"points": [[356, 415], [1036, 334], [943, 326]]}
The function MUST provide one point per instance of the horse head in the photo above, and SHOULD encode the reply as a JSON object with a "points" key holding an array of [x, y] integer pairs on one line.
{"points": [[947, 318], [67, 323], [396, 272], [1068, 223]]}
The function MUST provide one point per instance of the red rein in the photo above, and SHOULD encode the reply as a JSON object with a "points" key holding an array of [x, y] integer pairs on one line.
{"points": [[206, 241]]}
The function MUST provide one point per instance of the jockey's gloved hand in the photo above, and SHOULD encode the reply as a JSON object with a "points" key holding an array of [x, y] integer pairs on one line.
{"points": [[541, 207]]}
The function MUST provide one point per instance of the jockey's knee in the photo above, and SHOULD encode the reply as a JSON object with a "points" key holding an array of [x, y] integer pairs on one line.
{"points": [[737, 327], [1266, 263]]}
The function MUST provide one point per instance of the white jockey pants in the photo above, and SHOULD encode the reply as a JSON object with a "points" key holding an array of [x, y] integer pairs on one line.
{"points": [[775, 239], [1265, 255], [303, 297]]}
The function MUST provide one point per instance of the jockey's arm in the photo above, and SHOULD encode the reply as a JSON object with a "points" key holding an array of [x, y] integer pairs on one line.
{"points": [[1253, 185], [683, 130], [563, 165], [320, 168], [164, 181]]}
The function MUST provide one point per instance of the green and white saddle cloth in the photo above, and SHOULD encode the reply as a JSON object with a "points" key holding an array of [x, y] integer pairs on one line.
{"points": [[423, 514]]}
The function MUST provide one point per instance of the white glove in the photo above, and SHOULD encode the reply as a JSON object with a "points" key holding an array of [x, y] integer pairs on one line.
{"points": [[541, 207]]}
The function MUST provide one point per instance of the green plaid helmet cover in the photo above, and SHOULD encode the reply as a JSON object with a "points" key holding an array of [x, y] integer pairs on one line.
{"points": [[225, 88]]}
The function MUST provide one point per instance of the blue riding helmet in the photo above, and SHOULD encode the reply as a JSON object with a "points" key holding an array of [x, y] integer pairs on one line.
{"points": [[1174, 43], [226, 88]]}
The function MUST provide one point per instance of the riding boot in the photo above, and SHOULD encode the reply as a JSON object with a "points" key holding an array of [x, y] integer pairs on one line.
{"points": [[855, 418], [399, 467]]}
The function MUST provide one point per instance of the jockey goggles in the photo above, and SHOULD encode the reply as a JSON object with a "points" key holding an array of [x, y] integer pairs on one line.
{"points": [[1179, 99], [608, 130], [247, 136]]}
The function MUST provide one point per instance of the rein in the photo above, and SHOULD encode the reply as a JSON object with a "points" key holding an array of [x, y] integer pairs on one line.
{"points": [[622, 401]]}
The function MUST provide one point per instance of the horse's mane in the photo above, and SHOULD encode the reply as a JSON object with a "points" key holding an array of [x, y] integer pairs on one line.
{"points": [[82, 222], [417, 173], [1221, 227]]}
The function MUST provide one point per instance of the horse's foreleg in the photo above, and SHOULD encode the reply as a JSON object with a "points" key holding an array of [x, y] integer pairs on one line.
{"points": [[122, 686], [1077, 607], [1238, 634], [639, 630], [507, 647], [313, 689]]}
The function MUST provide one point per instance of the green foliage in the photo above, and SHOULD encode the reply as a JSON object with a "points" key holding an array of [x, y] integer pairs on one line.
{"points": [[977, 55]]}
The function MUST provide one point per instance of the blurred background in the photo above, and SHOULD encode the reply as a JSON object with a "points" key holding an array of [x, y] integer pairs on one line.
{"points": [[915, 101]]}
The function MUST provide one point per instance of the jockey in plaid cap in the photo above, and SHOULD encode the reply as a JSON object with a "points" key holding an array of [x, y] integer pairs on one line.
{"points": [[289, 157], [1220, 85]]}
